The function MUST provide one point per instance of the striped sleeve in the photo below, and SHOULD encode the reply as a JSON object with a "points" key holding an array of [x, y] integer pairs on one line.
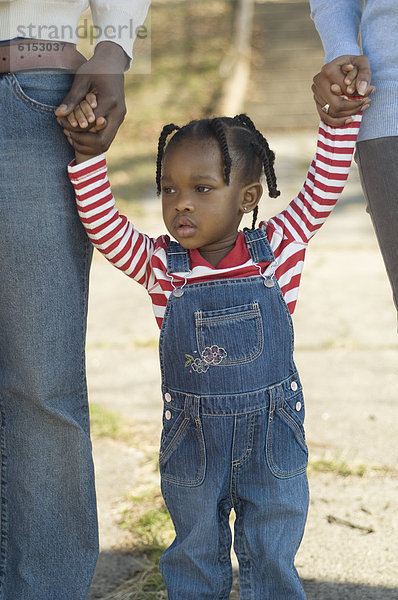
{"points": [[109, 231], [324, 184], [290, 231]]}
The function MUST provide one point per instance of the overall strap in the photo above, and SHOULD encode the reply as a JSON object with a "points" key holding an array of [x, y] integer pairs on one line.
{"points": [[258, 245], [177, 258]]}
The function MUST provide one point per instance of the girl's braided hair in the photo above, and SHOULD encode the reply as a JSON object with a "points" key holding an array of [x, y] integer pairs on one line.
{"points": [[237, 136]]}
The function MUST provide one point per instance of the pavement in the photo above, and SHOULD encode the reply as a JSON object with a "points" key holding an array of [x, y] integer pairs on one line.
{"points": [[347, 354]]}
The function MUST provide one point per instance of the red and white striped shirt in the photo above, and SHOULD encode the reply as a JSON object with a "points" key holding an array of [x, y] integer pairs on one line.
{"points": [[144, 258]]}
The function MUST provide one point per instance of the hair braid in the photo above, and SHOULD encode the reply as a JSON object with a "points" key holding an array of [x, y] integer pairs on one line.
{"points": [[263, 150], [255, 215], [219, 130], [166, 131], [267, 157], [246, 121], [270, 175]]}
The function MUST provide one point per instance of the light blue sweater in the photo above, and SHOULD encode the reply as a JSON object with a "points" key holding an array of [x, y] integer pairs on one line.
{"points": [[338, 23]]}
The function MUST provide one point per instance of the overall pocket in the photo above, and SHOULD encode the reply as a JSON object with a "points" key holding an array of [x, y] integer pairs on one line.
{"points": [[286, 449], [182, 457], [230, 336]]}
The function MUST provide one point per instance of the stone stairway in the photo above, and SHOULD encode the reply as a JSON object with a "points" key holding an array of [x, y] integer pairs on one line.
{"points": [[286, 54]]}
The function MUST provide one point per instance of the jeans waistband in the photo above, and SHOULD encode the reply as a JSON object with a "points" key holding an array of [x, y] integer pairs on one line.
{"points": [[238, 403]]}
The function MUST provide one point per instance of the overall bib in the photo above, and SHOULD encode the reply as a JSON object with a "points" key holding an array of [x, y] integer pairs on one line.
{"points": [[233, 435]]}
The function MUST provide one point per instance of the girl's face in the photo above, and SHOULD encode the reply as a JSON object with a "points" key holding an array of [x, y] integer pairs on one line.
{"points": [[199, 209]]}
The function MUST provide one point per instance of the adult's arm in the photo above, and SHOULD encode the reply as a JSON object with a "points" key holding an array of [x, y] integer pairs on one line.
{"points": [[119, 21], [338, 25], [103, 74]]}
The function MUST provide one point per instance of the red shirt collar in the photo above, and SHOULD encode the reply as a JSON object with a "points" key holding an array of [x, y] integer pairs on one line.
{"points": [[237, 256]]}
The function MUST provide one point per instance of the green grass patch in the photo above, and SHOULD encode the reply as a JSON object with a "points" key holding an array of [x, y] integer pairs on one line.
{"points": [[149, 524], [151, 532], [147, 585], [105, 423], [343, 469], [147, 343], [338, 467]]}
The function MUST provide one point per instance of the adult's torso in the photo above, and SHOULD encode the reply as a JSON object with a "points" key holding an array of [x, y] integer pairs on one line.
{"points": [[55, 20]]}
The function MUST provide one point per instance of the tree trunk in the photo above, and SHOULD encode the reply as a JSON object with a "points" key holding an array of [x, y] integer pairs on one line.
{"points": [[235, 88]]}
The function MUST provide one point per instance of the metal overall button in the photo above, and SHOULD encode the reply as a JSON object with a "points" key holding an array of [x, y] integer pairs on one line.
{"points": [[178, 292], [269, 282]]}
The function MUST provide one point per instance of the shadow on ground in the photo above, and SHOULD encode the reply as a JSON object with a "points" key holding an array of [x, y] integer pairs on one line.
{"points": [[115, 568], [330, 590]]}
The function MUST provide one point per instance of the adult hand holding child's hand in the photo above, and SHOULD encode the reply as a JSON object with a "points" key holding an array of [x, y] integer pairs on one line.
{"points": [[102, 78], [342, 77], [84, 115]]}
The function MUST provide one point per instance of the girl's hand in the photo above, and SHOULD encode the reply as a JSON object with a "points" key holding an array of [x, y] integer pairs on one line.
{"points": [[86, 145], [83, 114]]}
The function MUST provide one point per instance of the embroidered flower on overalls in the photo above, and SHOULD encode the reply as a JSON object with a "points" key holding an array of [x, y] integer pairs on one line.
{"points": [[210, 356], [213, 355], [199, 366]]}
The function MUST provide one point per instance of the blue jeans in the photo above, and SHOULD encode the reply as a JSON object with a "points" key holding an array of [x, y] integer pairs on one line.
{"points": [[249, 455], [233, 436], [48, 530]]}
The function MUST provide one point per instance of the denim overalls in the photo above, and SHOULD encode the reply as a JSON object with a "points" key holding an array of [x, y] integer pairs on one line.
{"points": [[232, 436]]}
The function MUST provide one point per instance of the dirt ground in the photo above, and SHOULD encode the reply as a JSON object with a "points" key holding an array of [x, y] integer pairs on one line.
{"points": [[347, 354]]}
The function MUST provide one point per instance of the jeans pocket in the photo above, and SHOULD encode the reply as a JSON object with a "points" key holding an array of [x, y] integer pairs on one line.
{"points": [[42, 91], [230, 336], [182, 457], [286, 448]]}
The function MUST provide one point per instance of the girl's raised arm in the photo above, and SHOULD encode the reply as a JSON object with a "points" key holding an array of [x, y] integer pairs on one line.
{"points": [[323, 186], [109, 231], [290, 230]]}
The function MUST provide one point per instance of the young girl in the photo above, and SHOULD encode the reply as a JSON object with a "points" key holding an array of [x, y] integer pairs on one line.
{"points": [[233, 433]]}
